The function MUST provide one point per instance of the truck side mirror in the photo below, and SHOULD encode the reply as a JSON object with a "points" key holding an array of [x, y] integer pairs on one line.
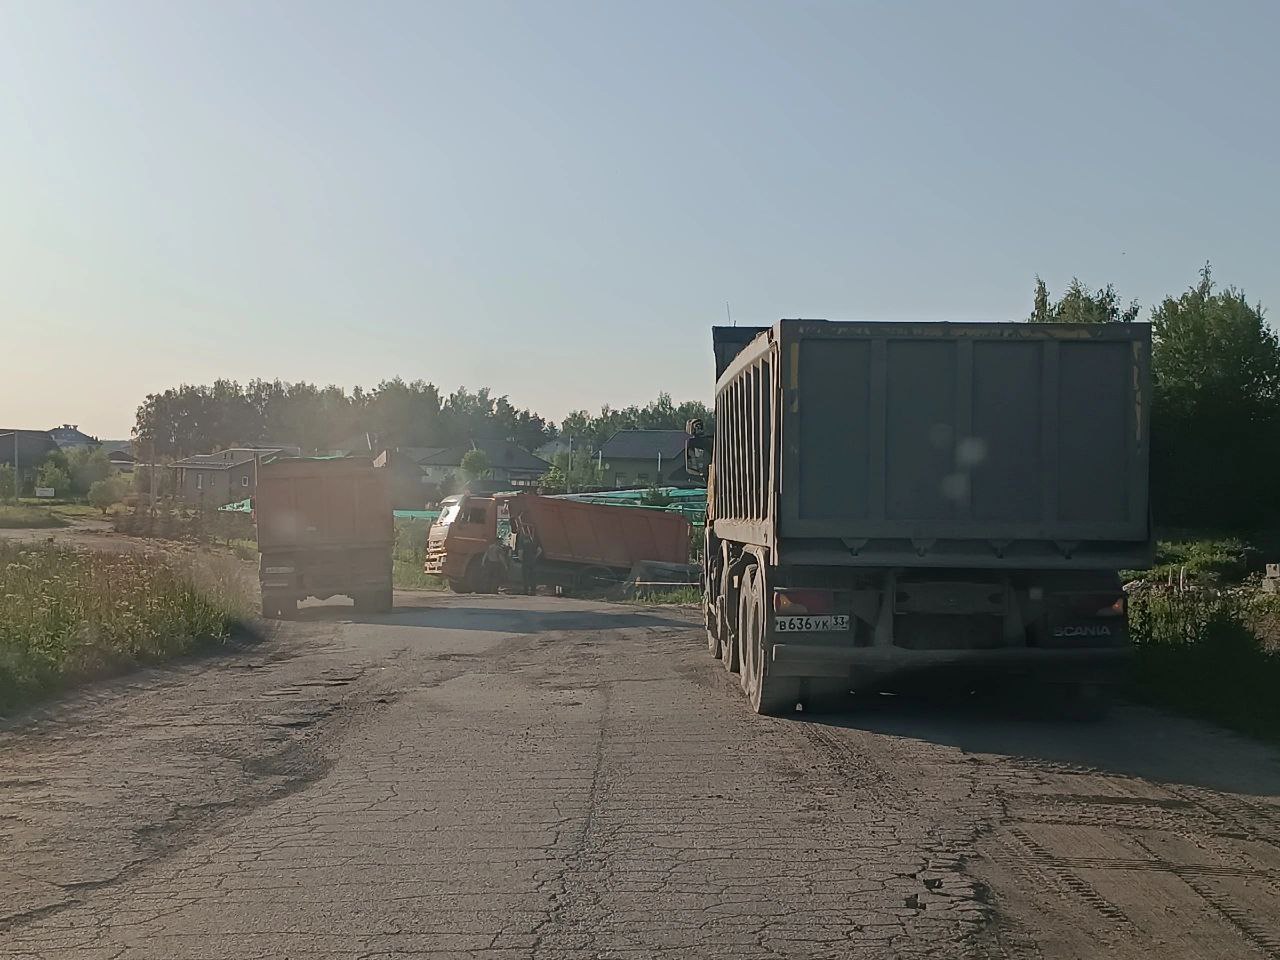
{"points": [[697, 450]]}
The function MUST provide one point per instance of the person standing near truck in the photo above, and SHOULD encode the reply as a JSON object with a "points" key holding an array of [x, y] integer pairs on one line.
{"points": [[493, 567], [527, 550]]}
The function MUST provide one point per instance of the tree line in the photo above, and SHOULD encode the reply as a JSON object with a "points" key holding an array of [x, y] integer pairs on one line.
{"points": [[192, 419], [1215, 415]]}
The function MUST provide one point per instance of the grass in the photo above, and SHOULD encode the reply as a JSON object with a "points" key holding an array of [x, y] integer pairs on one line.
{"points": [[29, 518], [1206, 652], [244, 549], [408, 575], [70, 615], [677, 596], [407, 555]]}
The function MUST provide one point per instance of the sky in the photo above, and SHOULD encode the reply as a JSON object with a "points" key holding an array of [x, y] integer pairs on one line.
{"points": [[557, 199]]}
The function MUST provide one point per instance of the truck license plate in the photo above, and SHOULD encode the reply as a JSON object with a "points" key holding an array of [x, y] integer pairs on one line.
{"points": [[811, 624]]}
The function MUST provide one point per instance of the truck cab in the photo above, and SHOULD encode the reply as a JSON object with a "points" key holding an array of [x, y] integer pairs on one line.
{"points": [[457, 541]]}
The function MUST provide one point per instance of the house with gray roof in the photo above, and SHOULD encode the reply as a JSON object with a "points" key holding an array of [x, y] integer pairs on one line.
{"points": [[639, 458]]}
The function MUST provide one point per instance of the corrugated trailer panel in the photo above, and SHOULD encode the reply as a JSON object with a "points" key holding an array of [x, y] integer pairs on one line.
{"points": [[963, 431], [591, 533]]}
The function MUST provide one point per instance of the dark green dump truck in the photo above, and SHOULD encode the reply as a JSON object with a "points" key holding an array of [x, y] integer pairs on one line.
{"points": [[901, 503]]}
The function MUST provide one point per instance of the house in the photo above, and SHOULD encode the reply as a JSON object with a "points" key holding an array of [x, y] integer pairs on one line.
{"points": [[508, 463], [27, 448], [639, 458], [122, 461], [69, 436], [213, 479]]}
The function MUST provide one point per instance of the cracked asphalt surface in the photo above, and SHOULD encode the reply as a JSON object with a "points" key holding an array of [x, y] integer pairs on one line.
{"points": [[511, 777]]}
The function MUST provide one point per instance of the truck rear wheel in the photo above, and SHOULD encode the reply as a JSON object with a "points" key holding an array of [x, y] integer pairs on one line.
{"points": [[730, 628], [277, 606], [768, 694], [715, 629]]}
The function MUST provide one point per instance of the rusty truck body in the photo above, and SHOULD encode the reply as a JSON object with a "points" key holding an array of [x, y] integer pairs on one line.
{"points": [[325, 529], [581, 544], [892, 502]]}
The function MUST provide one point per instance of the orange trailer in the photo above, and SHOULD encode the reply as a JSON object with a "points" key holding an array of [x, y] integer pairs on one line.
{"points": [[581, 543]]}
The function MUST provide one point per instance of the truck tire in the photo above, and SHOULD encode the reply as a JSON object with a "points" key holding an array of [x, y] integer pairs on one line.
{"points": [[715, 629], [730, 629], [768, 694], [276, 606]]}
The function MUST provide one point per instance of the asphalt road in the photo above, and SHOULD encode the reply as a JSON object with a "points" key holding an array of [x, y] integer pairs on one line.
{"points": [[511, 777]]}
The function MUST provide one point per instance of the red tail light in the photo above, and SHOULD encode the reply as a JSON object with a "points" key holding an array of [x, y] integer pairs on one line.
{"points": [[797, 602]]}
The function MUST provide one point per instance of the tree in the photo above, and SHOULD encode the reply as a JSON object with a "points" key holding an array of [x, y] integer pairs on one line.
{"points": [[86, 466], [53, 474], [106, 493], [1078, 305], [475, 464], [1216, 412], [6, 482]]}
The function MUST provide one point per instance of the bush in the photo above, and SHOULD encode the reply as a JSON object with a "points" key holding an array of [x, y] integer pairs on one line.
{"points": [[1203, 651], [1206, 562], [106, 493]]}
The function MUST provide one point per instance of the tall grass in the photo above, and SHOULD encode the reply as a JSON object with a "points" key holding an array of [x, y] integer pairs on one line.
{"points": [[1206, 652], [22, 517], [407, 556], [68, 615]]}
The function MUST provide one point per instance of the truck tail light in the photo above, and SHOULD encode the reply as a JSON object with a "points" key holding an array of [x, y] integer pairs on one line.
{"points": [[1113, 609], [803, 602]]}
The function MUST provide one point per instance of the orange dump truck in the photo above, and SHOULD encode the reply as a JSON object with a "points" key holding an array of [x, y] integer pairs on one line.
{"points": [[581, 544], [324, 529]]}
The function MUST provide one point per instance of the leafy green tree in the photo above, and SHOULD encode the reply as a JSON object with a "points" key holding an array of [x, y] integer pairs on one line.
{"points": [[1078, 305], [53, 474], [475, 464], [1216, 415], [106, 493], [6, 482], [86, 466]]}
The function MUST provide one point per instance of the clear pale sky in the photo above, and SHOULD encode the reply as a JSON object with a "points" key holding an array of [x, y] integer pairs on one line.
{"points": [[556, 199]]}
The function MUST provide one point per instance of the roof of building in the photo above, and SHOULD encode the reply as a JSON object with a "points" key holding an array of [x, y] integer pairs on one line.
{"points": [[71, 434], [644, 444], [223, 459], [420, 454], [116, 446], [121, 456], [29, 446], [502, 454]]}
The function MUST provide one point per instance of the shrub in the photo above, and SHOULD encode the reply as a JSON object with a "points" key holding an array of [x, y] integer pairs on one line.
{"points": [[106, 493]]}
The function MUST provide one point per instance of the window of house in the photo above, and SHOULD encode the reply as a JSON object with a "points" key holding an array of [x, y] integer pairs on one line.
{"points": [[244, 481], [199, 481], [620, 480], [642, 478]]}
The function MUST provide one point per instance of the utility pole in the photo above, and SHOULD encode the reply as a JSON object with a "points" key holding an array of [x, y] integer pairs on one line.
{"points": [[14, 434]]}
